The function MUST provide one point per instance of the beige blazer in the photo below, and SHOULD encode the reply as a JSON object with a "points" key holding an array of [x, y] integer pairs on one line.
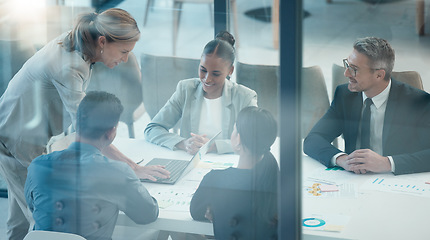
{"points": [[185, 105]]}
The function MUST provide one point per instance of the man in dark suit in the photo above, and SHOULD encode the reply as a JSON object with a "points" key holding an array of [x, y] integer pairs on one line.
{"points": [[392, 134]]}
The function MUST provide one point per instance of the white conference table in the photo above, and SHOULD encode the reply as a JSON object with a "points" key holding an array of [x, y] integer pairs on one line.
{"points": [[372, 214], [176, 217]]}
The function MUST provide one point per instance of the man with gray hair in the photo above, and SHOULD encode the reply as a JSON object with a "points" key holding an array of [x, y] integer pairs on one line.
{"points": [[385, 123]]}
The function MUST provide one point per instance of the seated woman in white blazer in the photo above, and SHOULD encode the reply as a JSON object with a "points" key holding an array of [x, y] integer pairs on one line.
{"points": [[204, 106]]}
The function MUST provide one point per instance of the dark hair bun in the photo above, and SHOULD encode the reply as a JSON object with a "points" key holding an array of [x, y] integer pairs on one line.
{"points": [[226, 36]]}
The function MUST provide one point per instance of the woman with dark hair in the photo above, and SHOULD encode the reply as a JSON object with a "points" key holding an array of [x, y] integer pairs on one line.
{"points": [[203, 106], [242, 202], [56, 77]]}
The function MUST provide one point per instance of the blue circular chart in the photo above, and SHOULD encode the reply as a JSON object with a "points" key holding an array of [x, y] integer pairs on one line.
{"points": [[313, 222]]}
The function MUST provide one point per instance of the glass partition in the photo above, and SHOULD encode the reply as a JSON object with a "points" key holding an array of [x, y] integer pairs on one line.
{"points": [[173, 35], [343, 204]]}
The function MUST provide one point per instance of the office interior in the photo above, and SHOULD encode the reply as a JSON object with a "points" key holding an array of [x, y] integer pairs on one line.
{"points": [[329, 29]]}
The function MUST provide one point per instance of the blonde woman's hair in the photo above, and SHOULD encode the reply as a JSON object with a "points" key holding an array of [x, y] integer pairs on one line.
{"points": [[115, 24]]}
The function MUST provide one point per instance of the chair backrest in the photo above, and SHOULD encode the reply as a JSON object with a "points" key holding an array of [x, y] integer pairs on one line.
{"points": [[314, 98], [160, 75], [125, 82], [264, 80], [337, 77], [50, 235], [13, 54], [235, 217], [409, 77]]}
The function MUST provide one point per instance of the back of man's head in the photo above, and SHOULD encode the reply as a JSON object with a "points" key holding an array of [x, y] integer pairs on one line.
{"points": [[98, 113], [380, 53]]}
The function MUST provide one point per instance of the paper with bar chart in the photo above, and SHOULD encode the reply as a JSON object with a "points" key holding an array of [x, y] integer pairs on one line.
{"points": [[398, 185]]}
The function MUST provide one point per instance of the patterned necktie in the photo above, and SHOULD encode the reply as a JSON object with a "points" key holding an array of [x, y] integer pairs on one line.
{"points": [[365, 125]]}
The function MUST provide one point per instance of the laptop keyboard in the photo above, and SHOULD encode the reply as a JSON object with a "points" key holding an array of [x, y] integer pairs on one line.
{"points": [[175, 168]]}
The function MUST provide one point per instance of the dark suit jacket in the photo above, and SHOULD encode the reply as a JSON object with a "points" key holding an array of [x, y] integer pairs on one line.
{"points": [[406, 133]]}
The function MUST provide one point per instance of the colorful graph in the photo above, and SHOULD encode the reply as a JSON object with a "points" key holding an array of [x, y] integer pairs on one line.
{"points": [[398, 185], [172, 198], [330, 223]]}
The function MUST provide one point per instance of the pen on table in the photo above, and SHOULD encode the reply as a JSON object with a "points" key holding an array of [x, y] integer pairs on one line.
{"points": [[140, 161]]}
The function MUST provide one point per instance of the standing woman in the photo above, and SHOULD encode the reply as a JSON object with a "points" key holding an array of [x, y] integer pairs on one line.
{"points": [[203, 106], [242, 202], [56, 77]]}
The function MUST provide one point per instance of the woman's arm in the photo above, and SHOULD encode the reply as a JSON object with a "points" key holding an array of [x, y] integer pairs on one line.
{"points": [[157, 131]]}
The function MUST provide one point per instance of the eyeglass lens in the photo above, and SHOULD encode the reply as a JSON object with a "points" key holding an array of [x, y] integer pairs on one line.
{"points": [[350, 69]]}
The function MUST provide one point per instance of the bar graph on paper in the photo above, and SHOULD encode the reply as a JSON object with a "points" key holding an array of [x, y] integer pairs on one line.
{"points": [[419, 188]]}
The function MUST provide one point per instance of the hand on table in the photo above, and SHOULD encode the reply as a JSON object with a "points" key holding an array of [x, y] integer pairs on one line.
{"points": [[362, 161], [150, 172], [368, 160]]}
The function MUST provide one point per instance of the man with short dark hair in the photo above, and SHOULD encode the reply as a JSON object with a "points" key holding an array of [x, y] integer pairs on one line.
{"points": [[78, 190], [385, 123]]}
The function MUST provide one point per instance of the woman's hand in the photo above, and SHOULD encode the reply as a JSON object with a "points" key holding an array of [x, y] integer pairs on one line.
{"points": [[193, 144]]}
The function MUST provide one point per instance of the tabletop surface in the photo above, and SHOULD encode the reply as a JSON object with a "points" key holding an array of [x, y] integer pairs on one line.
{"points": [[369, 206]]}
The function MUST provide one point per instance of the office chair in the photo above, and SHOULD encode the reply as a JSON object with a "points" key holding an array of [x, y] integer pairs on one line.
{"points": [[409, 77], [125, 82], [337, 77], [264, 80], [50, 235], [314, 98], [235, 217], [160, 76]]}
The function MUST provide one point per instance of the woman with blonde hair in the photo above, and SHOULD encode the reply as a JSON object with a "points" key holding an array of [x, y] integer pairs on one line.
{"points": [[56, 77]]}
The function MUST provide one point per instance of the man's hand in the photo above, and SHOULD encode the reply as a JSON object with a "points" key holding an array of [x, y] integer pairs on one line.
{"points": [[342, 161], [368, 161], [148, 172]]}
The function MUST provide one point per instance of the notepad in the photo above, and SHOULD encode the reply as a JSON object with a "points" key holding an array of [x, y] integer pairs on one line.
{"points": [[328, 188]]}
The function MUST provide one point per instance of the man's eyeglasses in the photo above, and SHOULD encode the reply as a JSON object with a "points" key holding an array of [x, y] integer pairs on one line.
{"points": [[351, 70]]}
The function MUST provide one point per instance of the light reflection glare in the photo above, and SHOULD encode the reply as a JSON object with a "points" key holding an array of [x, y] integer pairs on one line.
{"points": [[26, 10]]}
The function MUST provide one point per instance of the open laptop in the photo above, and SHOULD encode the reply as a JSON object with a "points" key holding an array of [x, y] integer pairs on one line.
{"points": [[179, 168]]}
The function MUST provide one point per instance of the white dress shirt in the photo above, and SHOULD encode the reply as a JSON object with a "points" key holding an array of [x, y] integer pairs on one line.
{"points": [[377, 116], [211, 117]]}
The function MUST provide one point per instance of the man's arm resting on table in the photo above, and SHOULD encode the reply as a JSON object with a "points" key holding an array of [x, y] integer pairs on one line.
{"points": [[319, 148], [143, 172]]}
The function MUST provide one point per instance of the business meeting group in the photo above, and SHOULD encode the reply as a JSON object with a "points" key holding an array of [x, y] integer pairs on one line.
{"points": [[83, 189]]}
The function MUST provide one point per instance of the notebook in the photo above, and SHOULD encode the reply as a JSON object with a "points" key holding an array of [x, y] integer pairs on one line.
{"points": [[179, 168]]}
